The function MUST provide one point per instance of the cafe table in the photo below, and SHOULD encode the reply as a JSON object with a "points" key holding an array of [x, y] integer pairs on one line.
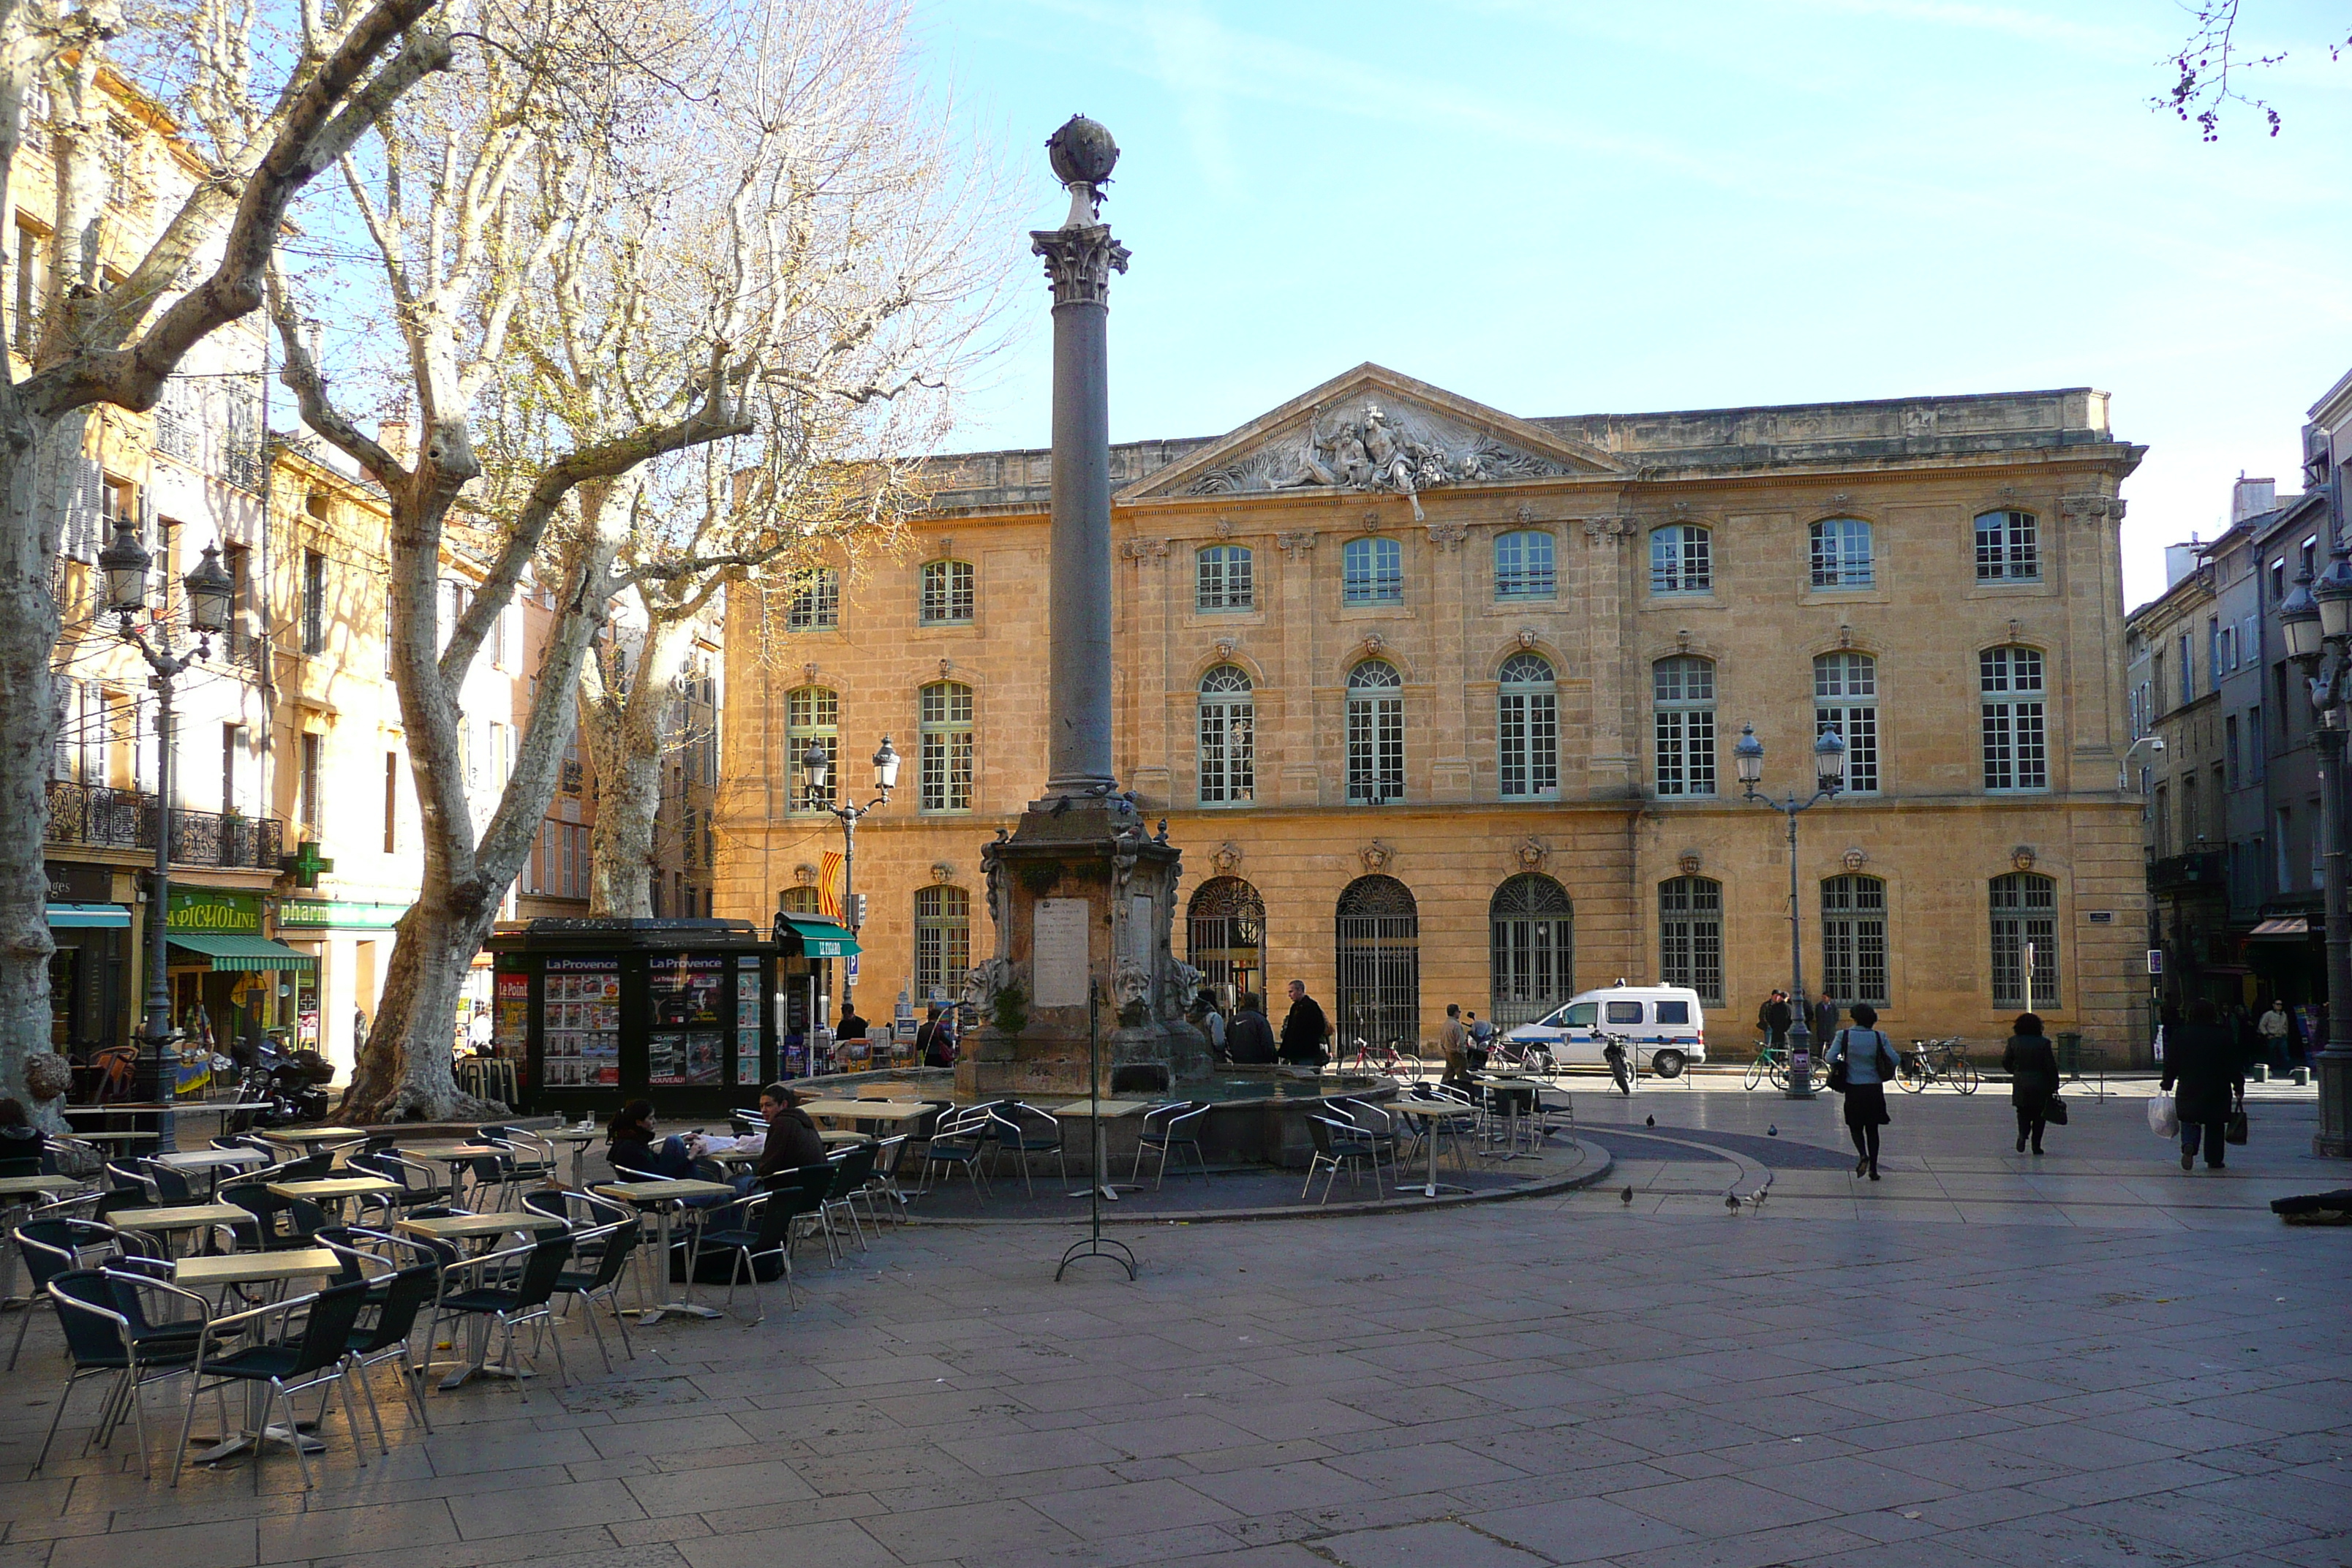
{"points": [[1516, 1092], [458, 1156], [893, 1110], [491, 1228], [1104, 1111], [579, 1138], [210, 1163], [309, 1138], [170, 1219], [664, 1198], [14, 1195], [126, 1137], [224, 1270], [331, 1191], [1428, 1112]]}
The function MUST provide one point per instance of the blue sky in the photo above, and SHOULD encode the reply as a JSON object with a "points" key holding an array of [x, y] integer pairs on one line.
{"points": [[1562, 208]]}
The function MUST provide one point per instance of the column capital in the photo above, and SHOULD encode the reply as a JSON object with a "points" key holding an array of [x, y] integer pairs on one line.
{"points": [[1079, 261]]}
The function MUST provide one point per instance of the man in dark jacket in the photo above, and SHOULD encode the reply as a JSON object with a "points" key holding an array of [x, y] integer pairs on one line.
{"points": [[1775, 1017], [2202, 1058], [1249, 1038], [793, 1140], [1304, 1030]]}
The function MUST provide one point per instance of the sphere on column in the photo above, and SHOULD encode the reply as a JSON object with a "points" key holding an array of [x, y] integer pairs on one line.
{"points": [[1082, 152]]}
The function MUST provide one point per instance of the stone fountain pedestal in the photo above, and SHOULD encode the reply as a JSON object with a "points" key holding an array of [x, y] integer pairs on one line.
{"points": [[1083, 897]]}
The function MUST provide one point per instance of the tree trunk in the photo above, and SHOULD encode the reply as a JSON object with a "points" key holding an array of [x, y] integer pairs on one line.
{"points": [[625, 738], [28, 634]]}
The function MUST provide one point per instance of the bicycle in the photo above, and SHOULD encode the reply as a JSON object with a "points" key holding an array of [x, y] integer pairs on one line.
{"points": [[1771, 1061], [1384, 1058], [1519, 1056], [1928, 1060]]}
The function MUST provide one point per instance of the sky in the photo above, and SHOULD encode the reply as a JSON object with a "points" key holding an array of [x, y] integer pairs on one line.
{"points": [[1566, 208]]}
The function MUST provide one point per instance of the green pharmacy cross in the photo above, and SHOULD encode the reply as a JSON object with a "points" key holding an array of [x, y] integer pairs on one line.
{"points": [[306, 864]]}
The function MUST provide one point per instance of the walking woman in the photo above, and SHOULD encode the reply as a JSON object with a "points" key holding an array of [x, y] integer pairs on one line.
{"points": [[2032, 1069], [2202, 1058], [1869, 1062]]}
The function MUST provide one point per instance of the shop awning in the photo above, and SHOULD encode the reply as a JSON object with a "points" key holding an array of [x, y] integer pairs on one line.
{"points": [[817, 938], [63, 917], [2284, 926], [240, 952]]}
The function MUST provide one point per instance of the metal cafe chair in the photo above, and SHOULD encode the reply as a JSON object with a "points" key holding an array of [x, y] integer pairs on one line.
{"points": [[294, 1363], [1023, 1130], [1168, 1127], [768, 1231], [1339, 1145], [98, 1338], [605, 1249]]}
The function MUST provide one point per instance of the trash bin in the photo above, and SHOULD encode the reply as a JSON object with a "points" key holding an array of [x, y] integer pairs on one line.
{"points": [[2070, 1053]]}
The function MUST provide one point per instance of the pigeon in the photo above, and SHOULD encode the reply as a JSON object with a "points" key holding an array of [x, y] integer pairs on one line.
{"points": [[1626, 1197], [1649, 1121], [1773, 1131], [1731, 1201]]}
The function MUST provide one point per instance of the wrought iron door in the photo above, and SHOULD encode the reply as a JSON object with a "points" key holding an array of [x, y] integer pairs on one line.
{"points": [[1228, 921], [1377, 928], [1532, 928]]}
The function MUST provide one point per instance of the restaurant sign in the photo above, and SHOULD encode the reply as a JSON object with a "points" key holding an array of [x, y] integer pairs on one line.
{"points": [[212, 909]]}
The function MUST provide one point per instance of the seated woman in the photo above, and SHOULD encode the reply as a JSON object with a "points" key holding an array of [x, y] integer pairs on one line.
{"points": [[629, 1145]]}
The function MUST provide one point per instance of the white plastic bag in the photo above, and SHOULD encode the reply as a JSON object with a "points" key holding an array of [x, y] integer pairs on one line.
{"points": [[2161, 1119]]}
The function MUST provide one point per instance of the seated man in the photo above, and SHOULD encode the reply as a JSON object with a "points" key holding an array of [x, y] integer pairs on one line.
{"points": [[793, 1140]]}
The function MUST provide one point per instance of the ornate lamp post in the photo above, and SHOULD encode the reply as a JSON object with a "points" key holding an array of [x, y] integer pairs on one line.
{"points": [[819, 768], [2316, 624], [125, 564], [1829, 777]]}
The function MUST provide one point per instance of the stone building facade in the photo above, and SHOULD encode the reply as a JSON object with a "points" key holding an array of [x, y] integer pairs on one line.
{"points": [[1440, 706]]}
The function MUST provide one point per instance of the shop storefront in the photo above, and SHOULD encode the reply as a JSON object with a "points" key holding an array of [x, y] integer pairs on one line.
{"points": [[810, 945], [230, 983], [350, 945], [680, 1012], [90, 972]]}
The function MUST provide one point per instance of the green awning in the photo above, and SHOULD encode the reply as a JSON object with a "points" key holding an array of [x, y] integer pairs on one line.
{"points": [[64, 917], [818, 938], [240, 952]]}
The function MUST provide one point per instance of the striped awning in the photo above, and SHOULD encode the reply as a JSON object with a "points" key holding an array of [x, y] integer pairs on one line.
{"points": [[244, 952], [2283, 926]]}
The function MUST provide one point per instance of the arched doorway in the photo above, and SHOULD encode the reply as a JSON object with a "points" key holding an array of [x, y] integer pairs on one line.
{"points": [[1532, 949], [1378, 931], [1226, 920]]}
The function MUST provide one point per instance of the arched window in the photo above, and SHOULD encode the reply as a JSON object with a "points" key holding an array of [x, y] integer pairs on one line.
{"points": [[2024, 915], [1690, 936], [1228, 738], [942, 943], [1226, 924], [1841, 554], [1378, 931], [947, 593], [817, 600], [947, 746], [799, 902], [1372, 572], [1853, 941], [1531, 928], [1682, 560], [1224, 578], [812, 713], [2009, 547], [1845, 698], [1527, 729], [1523, 565], [1682, 689], [1375, 733], [2016, 751]]}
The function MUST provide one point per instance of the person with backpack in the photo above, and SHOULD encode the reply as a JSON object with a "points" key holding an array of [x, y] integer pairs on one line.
{"points": [[1249, 1038], [935, 1045], [1860, 1060]]}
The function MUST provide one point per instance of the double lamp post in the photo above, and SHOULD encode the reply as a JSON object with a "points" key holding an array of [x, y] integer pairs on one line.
{"points": [[816, 764], [125, 564], [2316, 620], [1829, 777]]}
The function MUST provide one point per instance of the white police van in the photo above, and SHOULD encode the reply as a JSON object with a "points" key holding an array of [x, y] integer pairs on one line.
{"points": [[1665, 1021]]}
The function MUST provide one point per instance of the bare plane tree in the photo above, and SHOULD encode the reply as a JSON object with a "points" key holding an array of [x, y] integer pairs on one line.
{"points": [[2210, 66], [268, 98]]}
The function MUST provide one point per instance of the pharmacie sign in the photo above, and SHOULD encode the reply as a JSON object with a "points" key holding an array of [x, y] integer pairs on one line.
{"points": [[312, 914], [211, 910]]}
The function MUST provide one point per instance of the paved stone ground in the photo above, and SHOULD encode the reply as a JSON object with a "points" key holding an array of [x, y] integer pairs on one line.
{"points": [[1982, 1358]]}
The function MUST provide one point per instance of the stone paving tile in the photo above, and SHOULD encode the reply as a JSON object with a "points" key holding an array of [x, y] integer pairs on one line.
{"points": [[1420, 1545]]}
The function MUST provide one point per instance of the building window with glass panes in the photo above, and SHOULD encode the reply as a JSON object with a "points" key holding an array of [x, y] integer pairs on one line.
{"points": [[1845, 698], [1228, 737], [1682, 560], [1853, 941], [2016, 753], [942, 943], [1527, 729], [1224, 578], [817, 600], [1690, 936], [2025, 915], [1375, 733], [1841, 554], [1682, 689], [1523, 565], [812, 713], [1372, 572], [947, 593], [2007, 547], [947, 746]]}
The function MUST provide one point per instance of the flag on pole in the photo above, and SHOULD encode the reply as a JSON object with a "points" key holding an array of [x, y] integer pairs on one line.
{"points": [[828, 885]]}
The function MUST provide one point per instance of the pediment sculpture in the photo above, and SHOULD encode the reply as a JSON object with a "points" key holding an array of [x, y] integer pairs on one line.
{"points": [[1400, 450]]}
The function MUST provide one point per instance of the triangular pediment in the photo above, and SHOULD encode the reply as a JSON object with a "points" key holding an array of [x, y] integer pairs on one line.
{"points": [[1374, 429]]}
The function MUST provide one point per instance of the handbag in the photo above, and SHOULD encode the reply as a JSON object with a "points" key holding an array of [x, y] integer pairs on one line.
{"points": [[2054, 1111], [2235, 1132], [1839, 1081]]}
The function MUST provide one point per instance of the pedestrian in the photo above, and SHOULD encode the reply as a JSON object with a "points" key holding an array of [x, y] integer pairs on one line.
{"points": [[1249, 1038], [1826, 1021], [2032, 1069], [1482, 1031], [478, 1032], [1453, 1044], [1869, 1062], [1304, 1030], [2201, 1060], [359, 1029], [1774, 1018], [2273, 1030], [934, 1046], [1210, 1022]]}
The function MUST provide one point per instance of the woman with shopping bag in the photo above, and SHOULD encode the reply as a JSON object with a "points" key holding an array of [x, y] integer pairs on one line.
{"points": [[2033, 1068], [2206, 1079]]}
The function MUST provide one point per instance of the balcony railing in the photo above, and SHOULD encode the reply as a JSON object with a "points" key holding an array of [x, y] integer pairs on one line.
{"points": [[2203, 868], [125, 819]]}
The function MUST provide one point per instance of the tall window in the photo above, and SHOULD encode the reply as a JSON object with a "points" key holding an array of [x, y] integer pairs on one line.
{"points": [[2025, 912], [1841, 554], [2007, 547], [817, 600], [2016, 755], [1526, 728], [1845, 698], [1523, 565], [1531, 949], [1224, 578], [947, 746], [1684, 688], [310, 782], [942, 943], [812, 713], [1690, 936], [1228, 737], [314, 602], [947, 593], [2188, 669], [1853, 941], [1372, 572], [1375, 733], [1682, 560]]}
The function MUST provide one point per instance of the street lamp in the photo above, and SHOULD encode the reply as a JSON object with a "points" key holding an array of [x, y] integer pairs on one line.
{"points": [[2316, 622], [125, 564], [1829, 777], [818, 766]]}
